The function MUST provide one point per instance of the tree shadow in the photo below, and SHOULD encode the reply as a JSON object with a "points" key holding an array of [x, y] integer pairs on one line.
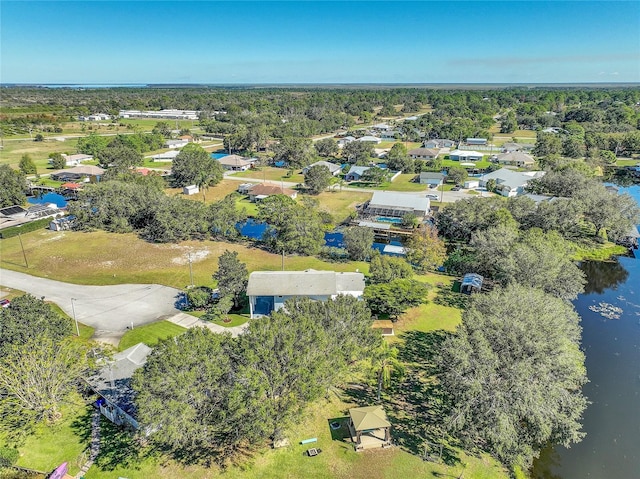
{"points": [[341, 432], [118, 447], [81, 426], [450, 296]]}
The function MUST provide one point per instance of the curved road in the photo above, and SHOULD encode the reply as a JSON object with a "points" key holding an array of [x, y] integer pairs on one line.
{"points": [[109, 309]]}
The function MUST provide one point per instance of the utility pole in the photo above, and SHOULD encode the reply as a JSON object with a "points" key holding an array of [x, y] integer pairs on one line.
{"points": [[73, 309], [190, 270], [23, 253], [282, 260]]}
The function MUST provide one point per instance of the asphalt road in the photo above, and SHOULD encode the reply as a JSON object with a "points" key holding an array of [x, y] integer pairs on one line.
{"points": [[109, 309]]}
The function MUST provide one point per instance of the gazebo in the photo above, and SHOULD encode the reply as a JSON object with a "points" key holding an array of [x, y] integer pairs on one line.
{"points": [[369, 428]]}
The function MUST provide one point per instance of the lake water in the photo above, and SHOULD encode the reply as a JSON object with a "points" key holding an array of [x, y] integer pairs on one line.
{"points": [[610, 311]]}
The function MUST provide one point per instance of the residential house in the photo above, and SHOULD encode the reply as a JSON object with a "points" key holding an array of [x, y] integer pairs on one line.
{"points": [[175, 143], [465, 155], [113, 385], [261, 191], [517, 158], [244, 188], [345, 141], [333, 168], [268, 290], [167, 156], [86, 172], [236, 162], [389, 135], [370, 139], [424, 153], [432, 179], [355, 173], [381, 127], [510, 183], [396, 205], [74, 160], [439, 143], [511, 146]]}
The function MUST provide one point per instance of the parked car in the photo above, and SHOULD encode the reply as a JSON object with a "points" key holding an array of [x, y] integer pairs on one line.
{"points": [[432, 196], [456, 188], [5, 303]]}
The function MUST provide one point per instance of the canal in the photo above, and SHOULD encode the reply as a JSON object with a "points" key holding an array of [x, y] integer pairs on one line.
{"points": [[610, 311]]}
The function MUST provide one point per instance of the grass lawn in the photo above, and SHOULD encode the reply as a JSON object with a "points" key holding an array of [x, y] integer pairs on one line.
{"points": [[479, 164], [404, 182], [598, 252], [250, 208], [341, 203], [50, 446], [271, 173], [85, 331], [99, 258], [212, 194], [39, 152], [627, 162], [150, 334]]}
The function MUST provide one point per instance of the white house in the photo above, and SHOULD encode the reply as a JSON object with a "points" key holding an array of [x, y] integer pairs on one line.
{"points": [[345, 141], [424, 153], [510, 183], [396, 205], [333, 168], [371, 139], [236, 162], [465, 155], [439, 143], [355, 173], [175, 143], [167, 156], [74, 160], [268, 290]]}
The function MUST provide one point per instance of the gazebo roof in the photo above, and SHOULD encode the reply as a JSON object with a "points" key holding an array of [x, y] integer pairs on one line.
{"points": [[369, 417]]}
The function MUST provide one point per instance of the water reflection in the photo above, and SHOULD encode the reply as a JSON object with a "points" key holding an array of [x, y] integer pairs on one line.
{"points": [[603, 275]]}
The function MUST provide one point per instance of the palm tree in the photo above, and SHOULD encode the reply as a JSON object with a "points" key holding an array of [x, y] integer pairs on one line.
{"points": [[386, 363]]}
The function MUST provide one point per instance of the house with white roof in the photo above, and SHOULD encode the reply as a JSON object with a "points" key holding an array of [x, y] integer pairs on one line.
{"points": [[510, 183], [166, 156], [345, 141], [396, 205], [176, 143], [439, 143], [371, 139], [236, 162], [465, 155], [269, 290], [332, 167]]}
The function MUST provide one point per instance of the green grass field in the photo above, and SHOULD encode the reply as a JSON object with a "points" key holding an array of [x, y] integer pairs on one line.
{"points": [[150, 334], [270, 173], [39, 152], [99, 257]]}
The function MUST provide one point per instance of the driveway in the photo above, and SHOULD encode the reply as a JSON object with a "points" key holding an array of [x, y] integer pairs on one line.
{"points": [[108, 309]]}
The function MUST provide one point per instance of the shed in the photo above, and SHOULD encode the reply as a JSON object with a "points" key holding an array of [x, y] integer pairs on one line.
{"points": [[471, 183], [369, 428], [190, 190], [471, 283], [476, 141]]}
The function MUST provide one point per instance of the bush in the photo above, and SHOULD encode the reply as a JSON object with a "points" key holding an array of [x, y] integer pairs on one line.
{"points": [[8, 456], [25, 228], [199, 297]]}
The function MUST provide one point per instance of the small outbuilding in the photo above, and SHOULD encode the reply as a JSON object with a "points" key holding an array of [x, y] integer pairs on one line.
{"points": [[369, 428], [190, 190], [471, 283]]}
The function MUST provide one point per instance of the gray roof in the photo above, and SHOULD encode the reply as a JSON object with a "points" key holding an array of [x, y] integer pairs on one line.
{"points": [[383, 199], [358, 170], [431, 175], [516, 157], [512, 179], [332, 166], [375, 224], [236, 160], [424, 152], [472, 279], [113, 381], [303, 283]]}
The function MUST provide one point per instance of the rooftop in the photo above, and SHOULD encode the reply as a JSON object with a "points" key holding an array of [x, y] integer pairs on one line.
{"points": [[303, 283], [398, 200], [369, 417]]}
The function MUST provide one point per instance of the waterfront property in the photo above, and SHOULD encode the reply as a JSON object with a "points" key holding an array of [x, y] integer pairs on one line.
{"points": [[85, 172], [510, 183], [268, 290], [396, 205], [261, 191]]}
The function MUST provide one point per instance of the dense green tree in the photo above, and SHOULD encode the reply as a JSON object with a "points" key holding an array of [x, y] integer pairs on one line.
{"points": [[187, 394], [317, 178], [358, 152], [120, 157], [162, 128], [295, 151], [457, 175], [398, 159], [384, 269], [198, 298], [92, 144], [37, 377], [28, 318], [224, 216], [27, 166], [395, 297], [326, 147], [232, 277], [547, 144], [57, 161], [174, 219], [358, 242], [14, 185], [508, 123], [425, 250], [375, 175], [193, 164], [514, 374]]}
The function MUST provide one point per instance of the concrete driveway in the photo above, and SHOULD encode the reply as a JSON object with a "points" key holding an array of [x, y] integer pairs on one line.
{"points": [[108, 309]]}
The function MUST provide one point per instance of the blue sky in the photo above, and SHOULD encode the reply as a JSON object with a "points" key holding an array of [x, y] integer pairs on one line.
{"points": [[319, 42]]}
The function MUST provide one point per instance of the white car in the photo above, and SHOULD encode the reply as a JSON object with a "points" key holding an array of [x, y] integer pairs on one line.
{"points": [[433, 197]]}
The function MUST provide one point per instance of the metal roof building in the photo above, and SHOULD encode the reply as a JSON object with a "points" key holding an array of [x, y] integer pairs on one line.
{"points": [[388, 203]]}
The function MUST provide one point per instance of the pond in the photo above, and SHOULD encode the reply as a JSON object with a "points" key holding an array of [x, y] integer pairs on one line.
{"points": [[610, 311], [54, 198]]}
